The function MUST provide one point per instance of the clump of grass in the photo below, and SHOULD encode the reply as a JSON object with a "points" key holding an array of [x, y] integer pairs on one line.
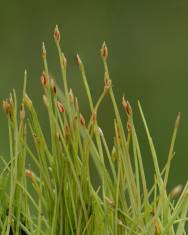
{"points": [[63, 199]]}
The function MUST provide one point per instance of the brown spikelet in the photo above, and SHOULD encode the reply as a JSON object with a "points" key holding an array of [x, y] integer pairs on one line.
{"points": [[53, 86], [57, 35], [104, 51], [43, 79], [127, 106], [82, 120], [79, 62], [22, 112], [176, 191], [30, 175], [60, 107], [94, 117], [8, 107]]}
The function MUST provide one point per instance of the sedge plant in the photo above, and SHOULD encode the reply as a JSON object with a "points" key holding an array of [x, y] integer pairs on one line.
{"points": [[57, 196]]}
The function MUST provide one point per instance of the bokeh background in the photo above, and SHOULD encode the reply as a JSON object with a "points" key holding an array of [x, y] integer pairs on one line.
{"points": [[148, 47]]}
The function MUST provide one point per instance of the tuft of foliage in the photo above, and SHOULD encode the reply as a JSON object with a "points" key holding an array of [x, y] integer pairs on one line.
{"points": [[57, 196]]}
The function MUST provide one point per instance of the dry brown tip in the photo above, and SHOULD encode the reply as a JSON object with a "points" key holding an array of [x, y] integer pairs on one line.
{"points": [[82, 120], [176, 191], [53, 86], [8, 106], [57, 35], [60, 107], [94, 116], [120, 222], [104, 51], [44, 79], [78, 60], [30, 175], [127, 106]]}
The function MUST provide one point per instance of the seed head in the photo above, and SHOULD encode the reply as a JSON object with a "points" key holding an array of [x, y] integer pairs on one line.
{"points": [[176, 191], [44, 79], [104, 51], [53, 86], [22, 112], [27, 101], [82, 120], [79, 62], [57, 35], [107, 85], [30, 174], [43, 51], [94, 117], [71, 97], [120, 222], [8, 107], [60, 107], [127, 107], [100, 131]]}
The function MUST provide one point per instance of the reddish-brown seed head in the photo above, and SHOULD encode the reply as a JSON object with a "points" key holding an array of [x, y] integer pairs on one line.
{"points": [[57, 35], [127, 106], [104, 51], [79, 62], [82, 120], [60, 107], [30, 175], [43, 79]]}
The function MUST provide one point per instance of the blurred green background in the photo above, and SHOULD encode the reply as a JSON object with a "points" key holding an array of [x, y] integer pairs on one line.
{"points": [[148, 47]]}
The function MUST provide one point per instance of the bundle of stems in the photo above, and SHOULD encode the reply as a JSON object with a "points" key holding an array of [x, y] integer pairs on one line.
{"points": [[57, 195]]}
